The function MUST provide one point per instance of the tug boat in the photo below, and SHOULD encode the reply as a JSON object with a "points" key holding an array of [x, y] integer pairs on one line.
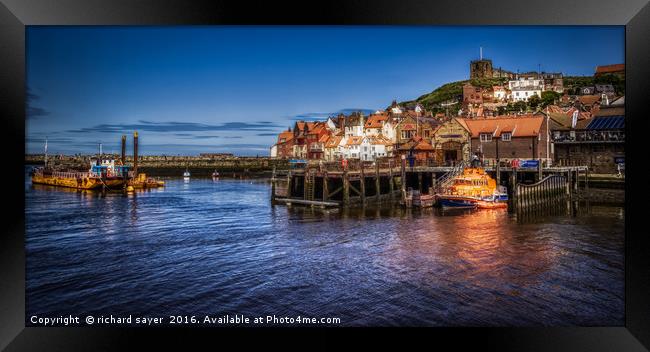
{"points": [[473, 188], [102, 174]]}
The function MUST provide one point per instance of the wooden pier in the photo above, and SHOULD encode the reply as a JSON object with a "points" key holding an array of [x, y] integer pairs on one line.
{"points": [[361, 182]]}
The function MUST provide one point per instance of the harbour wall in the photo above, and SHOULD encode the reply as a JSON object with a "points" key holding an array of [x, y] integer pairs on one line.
{"points": [[175, 165]]}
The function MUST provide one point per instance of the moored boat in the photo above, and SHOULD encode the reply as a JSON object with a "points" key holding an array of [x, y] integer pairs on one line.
{"points": [[473, 188], [102, 174], [455, 202]]}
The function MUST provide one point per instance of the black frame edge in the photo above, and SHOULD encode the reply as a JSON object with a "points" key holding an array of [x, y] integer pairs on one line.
{"points": [[12, 97]]}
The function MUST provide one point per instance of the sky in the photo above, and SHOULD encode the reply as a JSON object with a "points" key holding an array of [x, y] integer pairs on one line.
{"points": [[231, 89]]}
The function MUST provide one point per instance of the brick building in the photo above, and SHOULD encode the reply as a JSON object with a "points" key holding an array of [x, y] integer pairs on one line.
{"points": [[598, 142], [451, 142], [511, 137], [617, 70]]}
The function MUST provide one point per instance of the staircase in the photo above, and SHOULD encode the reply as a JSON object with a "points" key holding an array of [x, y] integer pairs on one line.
{"points": [[445, 181], [309, 184]]}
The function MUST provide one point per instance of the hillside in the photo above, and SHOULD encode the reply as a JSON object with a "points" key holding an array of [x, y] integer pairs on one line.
{"points": [[453, 91]]}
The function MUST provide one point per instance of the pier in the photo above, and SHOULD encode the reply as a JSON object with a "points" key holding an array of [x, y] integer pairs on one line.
{"points": [[335, 184]]}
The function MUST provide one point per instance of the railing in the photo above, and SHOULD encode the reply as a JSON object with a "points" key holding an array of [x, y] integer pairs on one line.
{"points": [[444, 181], [588, 136], [65, 174], [543, 195]]}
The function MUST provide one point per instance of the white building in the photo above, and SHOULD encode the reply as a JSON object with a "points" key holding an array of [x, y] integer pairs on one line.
{"points": [[500, 93], [354, 125], [524, 88], [352, 147]]}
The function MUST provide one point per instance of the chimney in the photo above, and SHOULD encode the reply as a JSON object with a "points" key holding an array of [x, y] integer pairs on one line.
{"points": [[123, 149], [135, 154]]}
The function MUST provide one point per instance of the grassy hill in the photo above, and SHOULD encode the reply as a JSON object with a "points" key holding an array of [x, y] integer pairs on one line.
{"points": [[450, 92], [453, 91]]}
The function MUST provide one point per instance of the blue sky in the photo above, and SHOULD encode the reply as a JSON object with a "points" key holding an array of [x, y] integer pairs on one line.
{"points": [[194, 89]]}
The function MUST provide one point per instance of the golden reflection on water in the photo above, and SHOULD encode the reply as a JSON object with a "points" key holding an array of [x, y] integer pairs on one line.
{"points": [[484, 247]]}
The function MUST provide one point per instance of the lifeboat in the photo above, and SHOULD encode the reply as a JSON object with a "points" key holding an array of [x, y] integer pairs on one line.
{"points": [[473, 188]]}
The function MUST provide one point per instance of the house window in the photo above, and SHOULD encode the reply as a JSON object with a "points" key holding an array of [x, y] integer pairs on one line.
{"points": [[486, 137], [506, 136]]}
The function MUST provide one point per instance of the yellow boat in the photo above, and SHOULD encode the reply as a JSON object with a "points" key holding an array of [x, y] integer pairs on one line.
{"points": [[142, 181], [473, 188], [103, 174]]}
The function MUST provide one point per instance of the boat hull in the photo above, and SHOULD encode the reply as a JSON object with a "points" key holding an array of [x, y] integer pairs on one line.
{"points": [[467, 202], [78, 183], [456, 202], [481, 204]]}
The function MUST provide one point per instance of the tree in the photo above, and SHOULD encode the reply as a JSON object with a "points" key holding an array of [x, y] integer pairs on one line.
{"points": [[534, 101], [549, 97], [614, 80]]}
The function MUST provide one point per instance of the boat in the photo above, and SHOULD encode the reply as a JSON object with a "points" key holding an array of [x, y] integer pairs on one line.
{"points": [[422, 200], [143, 181], [456, 202], [103, 174], [473, 188], [215, 174], [186, 175]]}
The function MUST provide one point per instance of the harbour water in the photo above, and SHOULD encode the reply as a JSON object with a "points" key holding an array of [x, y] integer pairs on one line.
{"points": [[208, 247]]}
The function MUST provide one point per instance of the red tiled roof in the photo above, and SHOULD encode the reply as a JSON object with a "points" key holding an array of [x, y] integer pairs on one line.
{"points": [[286, 135], [380, 140], [520, 126], [324, 138], [376, 121], [333, 142], [589, 99], [354, 140], [423, 145], [610, 68]]}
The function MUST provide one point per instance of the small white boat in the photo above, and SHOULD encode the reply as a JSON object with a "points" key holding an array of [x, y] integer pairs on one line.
{"points": [[186, 175], [215, 174]]}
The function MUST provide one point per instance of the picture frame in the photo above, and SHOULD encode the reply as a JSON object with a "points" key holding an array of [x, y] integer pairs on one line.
{"points": [[634, 15]]}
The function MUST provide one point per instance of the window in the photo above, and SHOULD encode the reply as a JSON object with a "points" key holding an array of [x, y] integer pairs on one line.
{"points": [[506, 136], [486, 137]]}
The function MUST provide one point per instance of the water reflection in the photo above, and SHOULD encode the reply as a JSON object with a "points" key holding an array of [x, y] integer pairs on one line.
{"points": [[208, 247]]}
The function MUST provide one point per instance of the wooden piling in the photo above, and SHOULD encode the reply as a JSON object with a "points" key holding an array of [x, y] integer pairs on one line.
{"points": [[289, 185], [497, 167], [273, 186], [362, 184], [305, 184], [420, 182], [346, 188], [403, 179], [377, 181], [391, 182], [325, 187], [433, 182]]}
